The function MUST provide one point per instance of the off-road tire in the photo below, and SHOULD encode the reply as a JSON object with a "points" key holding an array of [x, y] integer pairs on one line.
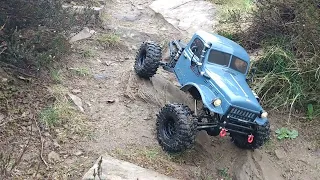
{"points": [[261, 135], [147, 59], [183, 127], [213, 131]]}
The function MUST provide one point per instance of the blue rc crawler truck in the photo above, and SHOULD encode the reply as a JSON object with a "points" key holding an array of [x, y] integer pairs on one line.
{"points": [[214, 70]]}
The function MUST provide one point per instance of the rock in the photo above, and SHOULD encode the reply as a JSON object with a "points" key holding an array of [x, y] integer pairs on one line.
{"points": [[78, 153], [77, 101], [76, 91], [107, 63], [178, 14], [53, 157], [84, 34], [163, 29], [1, 117], [280, 153], [117, 169], [100, 76], [111, 101], [140, 7], [4, 80], [133, 47], [56, 144]]}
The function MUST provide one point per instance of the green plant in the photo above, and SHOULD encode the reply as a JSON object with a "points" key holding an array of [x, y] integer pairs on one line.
{"points": [[50, 116], [310, 111], [81, 71], [109, 39], [224, 173], [88, 53], [56, 75], [283, 133]]}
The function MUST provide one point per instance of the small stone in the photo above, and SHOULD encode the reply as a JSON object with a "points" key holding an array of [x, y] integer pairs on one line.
{"points": [[78, 153], [84, 34], [140, 7], [53, 157], [111, 101], [107, 63], [89, 104], [77, 101], [280, 153], [4, 80], [1, 117], [100, 76], [133, 47], [76, 91], [56, 144], [126, 58]]}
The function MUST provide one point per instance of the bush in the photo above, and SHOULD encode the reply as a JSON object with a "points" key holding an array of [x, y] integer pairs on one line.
{"points": [[288, 31], [33, 32]]}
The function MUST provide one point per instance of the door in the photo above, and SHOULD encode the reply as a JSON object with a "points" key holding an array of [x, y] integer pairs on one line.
{"points": [[187, 70]]}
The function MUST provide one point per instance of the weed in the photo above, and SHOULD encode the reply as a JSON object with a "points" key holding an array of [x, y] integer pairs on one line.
{"points": [[50, 116], [88, 53], [81, 71], [224, 173], [56, 75], [108, 40], [283, 133], [63, 114], [233, 11]]}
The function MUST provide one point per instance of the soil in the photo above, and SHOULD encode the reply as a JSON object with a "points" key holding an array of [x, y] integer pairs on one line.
{"points": [[121, 110]]}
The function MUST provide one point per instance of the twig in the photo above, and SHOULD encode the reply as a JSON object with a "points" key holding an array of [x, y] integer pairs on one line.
{"points": [[42, 142], [22, 153]]}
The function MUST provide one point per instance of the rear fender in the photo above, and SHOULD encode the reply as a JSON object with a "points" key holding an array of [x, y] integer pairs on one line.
{"points": [[207, 96]]}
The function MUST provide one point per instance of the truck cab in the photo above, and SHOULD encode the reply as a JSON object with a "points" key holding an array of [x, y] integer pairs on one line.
{"points": [[215, 68]]}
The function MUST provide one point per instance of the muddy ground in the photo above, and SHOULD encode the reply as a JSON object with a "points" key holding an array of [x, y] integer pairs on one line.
{"points": [[120, 112]]}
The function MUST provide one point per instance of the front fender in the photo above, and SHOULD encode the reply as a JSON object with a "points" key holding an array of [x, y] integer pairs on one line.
{"points": [[206, 95]]}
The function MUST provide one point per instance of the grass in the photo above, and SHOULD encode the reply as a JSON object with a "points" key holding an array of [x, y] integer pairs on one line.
{"points": [[109, 39], [88, 53], [288, 72], [62, 114], [82, 71], [56, 75], [50, 116], [224, 174], [233, 10]]}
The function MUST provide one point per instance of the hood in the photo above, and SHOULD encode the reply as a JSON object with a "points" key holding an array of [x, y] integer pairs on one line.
{"points": [[233, 87]]}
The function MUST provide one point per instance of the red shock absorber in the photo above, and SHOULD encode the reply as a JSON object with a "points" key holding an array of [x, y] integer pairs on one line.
{"points": [[223, 132], [250, 138]]}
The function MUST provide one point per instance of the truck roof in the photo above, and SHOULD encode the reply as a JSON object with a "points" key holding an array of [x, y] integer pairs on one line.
{"points": [[224, 44]]}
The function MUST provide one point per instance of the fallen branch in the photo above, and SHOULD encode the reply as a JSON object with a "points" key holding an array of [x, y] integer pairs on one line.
{"points": [[42, 142]]}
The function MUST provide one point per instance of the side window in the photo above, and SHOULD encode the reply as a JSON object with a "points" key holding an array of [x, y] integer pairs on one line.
{"points": [[200, 45], [219, 57]]}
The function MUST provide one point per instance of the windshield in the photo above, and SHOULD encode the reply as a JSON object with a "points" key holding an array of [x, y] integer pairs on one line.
{"points": [[219, 57], [238, 64], [222, 58]]}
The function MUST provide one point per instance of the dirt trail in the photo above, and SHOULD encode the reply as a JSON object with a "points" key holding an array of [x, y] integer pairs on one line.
{"points": [[123, 107]]}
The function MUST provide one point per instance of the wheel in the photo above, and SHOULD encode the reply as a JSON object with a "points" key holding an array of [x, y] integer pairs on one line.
{"points": [[176, 128], [147, 59], [261, 135], [213, 131]]}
